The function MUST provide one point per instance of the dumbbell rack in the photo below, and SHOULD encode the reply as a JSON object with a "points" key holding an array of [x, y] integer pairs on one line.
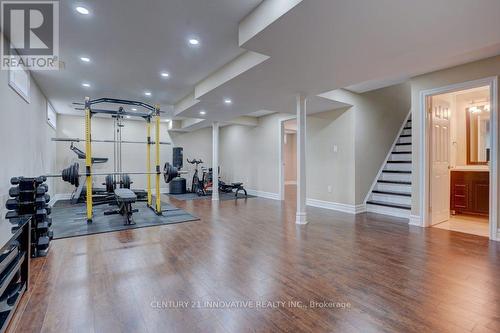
{"points": [[29, 198]]}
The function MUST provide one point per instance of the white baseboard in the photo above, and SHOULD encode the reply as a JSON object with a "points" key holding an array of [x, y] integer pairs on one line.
{"points": [[345, 208], [416, 221], [262, 194]]}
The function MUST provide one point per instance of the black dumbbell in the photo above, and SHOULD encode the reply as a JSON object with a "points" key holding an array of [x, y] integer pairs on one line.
{"points": [[14, 191], [12, 204]]}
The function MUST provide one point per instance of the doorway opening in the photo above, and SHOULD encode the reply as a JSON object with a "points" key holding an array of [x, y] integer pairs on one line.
{"points": [[288, 143], [459, 153]]}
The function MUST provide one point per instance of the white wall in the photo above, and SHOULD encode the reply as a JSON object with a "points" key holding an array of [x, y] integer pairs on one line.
{"points": [[377, 118], [133, 155], [251, 154], [25, 144], [379, 115], [326, 167]]}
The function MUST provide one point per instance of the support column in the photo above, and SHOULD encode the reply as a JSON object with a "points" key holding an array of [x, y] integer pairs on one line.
{"points": [[301, 216], [215, 161]]}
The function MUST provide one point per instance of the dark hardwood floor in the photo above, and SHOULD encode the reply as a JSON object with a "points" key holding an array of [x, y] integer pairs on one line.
{"points": [[388, 276]]}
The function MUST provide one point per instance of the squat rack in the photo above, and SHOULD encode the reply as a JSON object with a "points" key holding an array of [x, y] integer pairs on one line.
{"points": [[153, 113]]}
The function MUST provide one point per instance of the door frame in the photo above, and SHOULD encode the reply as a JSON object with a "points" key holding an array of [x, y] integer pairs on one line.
{"points": [[424, 158], [281, 169]]}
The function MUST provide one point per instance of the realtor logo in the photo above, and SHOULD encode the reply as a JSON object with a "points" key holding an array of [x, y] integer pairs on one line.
{"points": [[30, 35]]}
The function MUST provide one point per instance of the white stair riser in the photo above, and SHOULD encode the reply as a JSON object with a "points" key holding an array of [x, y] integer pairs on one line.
{"points": [[400, 157], [393, 187], [403, 148], [406, 132], [406, 177], [404, 213], [404, 140], [394, 199], [398, 166]]}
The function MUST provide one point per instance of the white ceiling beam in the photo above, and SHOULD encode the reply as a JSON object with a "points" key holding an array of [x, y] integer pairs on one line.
{"points": [[229, 71], [185, 103], [262, 16]]}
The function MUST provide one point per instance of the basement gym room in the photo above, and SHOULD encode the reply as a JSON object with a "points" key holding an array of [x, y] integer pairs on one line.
{"points": [[249, 166]]}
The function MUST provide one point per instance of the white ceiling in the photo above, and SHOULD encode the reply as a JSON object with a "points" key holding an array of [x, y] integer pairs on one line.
{"points": [[322, 45], [131, 41], [287, 46]]}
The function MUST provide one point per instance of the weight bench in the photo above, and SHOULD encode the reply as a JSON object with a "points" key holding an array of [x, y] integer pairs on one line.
{"points": [[124, 199], [223, 187]]}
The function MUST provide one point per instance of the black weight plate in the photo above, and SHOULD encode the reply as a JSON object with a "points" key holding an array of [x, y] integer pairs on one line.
{"points": [[126, 181], [110, 186]]}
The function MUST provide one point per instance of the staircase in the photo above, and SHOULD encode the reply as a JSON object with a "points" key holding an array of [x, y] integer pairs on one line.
{"points": [[391, 194]]}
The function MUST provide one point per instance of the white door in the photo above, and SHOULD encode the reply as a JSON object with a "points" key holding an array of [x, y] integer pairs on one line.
{"points": [[440, 160]]}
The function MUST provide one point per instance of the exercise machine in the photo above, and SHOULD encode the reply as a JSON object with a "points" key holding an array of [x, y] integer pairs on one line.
{"points": [[228, 188], [196, 183], [152, 114]]}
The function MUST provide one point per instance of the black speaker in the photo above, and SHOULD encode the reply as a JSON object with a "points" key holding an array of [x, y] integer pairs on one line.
{"points": [[177, 157]]}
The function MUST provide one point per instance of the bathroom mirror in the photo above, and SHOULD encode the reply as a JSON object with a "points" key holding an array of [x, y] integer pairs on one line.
{"points": [[478, 134]]}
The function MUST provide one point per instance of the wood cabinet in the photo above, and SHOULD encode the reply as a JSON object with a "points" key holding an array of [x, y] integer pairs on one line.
{"points": [[470, 192]]}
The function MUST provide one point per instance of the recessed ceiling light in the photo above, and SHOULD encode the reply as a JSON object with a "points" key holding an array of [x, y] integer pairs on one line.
{"points": [[82, 10], [227, 101], [203, 112], [164, 74], [147, 93], [85, 59], [86, 85], [134, 109], [194, 41], [128, 117]]}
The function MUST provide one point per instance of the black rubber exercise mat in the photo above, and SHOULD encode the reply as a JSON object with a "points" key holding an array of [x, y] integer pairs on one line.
{"points": [[222, 196], [70, 220]]}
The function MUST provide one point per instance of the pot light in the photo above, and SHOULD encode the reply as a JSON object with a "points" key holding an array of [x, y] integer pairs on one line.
{"points": [[82, 10], [164, 74], [86, 85], [147, 93], [203, 113], [228, 101], [194, 41], [128, 117], [85, 59], [134, 109]]}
